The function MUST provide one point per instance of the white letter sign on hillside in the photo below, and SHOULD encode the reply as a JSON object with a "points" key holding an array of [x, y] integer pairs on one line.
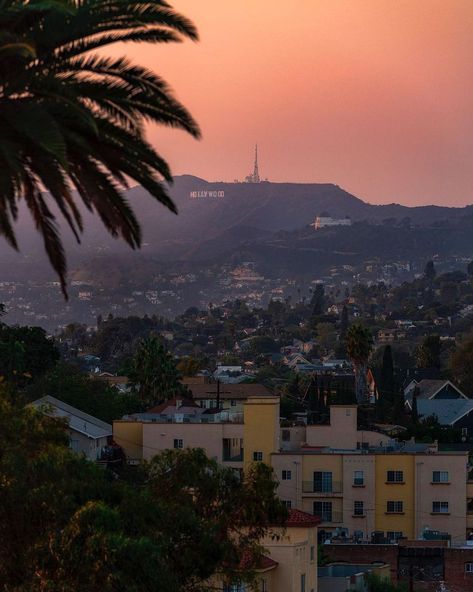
{"points": [[197, 194]]}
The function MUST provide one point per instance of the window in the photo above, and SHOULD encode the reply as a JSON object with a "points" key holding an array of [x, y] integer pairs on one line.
{"points": [[394, 535], [358, 508], [395, 477], [358, 478], [286, 475], [394, 507], [464, 431], [234, 587], [178, 443], [302, 582], [257, 456], [286, 435], [323, 510], [469, 568], [440, 477], [264, 585], [233, 404], [312, 553], [323, 481], [439, 507], [288, 504]]}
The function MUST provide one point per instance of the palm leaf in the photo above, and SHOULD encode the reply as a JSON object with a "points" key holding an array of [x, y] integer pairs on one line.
{"points": [[71, 119]]}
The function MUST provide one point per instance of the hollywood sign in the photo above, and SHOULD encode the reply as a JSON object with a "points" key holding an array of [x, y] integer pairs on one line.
{"points": [[197, 194]]}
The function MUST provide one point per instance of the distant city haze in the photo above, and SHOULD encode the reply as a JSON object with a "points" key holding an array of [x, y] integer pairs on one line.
{"points": [[374, 95]]}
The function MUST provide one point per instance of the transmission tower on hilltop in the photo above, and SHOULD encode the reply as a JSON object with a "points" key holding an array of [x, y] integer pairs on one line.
{"points": [[254, 177]]}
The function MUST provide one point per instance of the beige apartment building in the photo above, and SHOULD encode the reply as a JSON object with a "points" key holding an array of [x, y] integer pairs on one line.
{"points": [[408, 493], [358, 482]]}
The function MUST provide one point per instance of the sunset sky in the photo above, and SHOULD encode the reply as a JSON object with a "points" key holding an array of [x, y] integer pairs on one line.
{"points": [[373, 95]]}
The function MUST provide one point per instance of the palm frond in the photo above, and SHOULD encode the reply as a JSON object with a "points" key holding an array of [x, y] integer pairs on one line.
{"points": [[70, 119]]}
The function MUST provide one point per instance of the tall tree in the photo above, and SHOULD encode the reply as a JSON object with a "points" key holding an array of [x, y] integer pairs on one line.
{"points": [[460, 365], [153, 372], [344, 322], [72, 119], [429, 271], [469, 269], [415, 411], [359, 347], [391, 399], [428, 352], [317, 302]]}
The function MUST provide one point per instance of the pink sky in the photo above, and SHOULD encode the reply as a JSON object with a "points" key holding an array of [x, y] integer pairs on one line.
{"points": [[373, 95]]}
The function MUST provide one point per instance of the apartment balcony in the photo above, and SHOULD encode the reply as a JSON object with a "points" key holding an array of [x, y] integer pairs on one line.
{"points": [[329, 518], [227, 457], [333, 489]]}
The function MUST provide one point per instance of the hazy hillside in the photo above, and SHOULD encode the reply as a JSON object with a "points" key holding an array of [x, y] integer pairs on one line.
{"points": [[236, 216]]}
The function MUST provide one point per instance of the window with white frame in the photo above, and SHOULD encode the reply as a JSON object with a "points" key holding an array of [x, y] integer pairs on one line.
{"points": [[257, 456], [440, 477], [395, 477], [394, 535], [469, 568], [287, 503], [286, 475], [440, 507], [358, 508], [178, 443], [394, 507]]}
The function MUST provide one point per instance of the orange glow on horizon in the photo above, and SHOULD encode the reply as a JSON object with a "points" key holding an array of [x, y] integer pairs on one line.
{"points": [[373, 95]]}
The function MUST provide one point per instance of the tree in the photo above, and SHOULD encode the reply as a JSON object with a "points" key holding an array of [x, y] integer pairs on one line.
{"points": [[359, 346], [428, 352], [317, 302], [189, 366], [262, 344], [344, 323], [460, 365], [72, 119], [67, 525], [415, 411], [391, 399], [429, 271], [376, 583], [153, 373], [26, 353], [326, 336], [90, 395]]}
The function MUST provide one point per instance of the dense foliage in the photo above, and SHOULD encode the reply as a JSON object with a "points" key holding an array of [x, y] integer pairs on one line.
{"points": [[67, 525], [91, 395]]}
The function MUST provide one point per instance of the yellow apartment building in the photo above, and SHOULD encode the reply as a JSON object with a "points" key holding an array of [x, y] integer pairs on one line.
{"points": [[219, 433], [357, 482], [400, 493]]}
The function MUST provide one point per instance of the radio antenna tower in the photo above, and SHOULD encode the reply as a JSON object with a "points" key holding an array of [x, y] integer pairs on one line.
{"points": [[254, 177]]}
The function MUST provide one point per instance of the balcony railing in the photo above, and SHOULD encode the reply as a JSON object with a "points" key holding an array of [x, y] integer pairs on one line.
{"points": [[321, 488], [333, 517], [227, 457]]}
